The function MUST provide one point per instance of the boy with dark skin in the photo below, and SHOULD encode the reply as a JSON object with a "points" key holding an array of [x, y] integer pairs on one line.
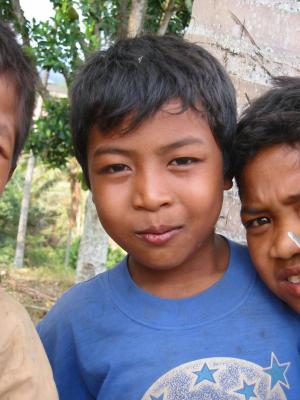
{"points": [[25, 373], [183, 316], [267, 169]]}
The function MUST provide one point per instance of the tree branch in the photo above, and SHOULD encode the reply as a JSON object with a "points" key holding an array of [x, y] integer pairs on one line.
{"points": [[136, 17], [21, 20], [170, 10], [122, 19]]}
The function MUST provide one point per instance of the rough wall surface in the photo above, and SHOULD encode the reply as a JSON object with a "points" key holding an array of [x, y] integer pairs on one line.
{"points": [[254, 40]]}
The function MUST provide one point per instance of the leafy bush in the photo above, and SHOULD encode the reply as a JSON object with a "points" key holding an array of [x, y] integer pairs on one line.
{"points": [[74, 252], [114, 256], [39, 254]]}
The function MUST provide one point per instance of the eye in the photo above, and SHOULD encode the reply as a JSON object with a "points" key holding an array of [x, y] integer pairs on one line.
{"points": [[183, 161], [114, 169], [257, 222]]}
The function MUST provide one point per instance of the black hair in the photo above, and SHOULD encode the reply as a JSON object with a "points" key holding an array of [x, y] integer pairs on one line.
{"points": [[136, 76], [16, 66], [273, 118]]}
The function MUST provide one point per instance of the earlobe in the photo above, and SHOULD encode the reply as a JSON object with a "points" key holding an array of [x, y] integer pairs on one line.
{"points": [[9, 176]]}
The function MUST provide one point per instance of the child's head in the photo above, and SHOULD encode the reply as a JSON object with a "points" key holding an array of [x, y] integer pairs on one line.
{"points": [[152, 119], [267, 170], [134, 78], [17, 94]]}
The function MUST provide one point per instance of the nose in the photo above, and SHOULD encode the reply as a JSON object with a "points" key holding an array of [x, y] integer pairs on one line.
{"points": [[151, 191], [283, 246]]}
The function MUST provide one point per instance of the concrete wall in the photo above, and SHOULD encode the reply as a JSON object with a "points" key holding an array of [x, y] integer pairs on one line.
{"points": [[254, 40]]}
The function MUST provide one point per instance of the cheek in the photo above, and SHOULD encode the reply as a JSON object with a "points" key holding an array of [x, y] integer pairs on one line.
{"points": [[4, 175], [259, 254], [110, 207]]}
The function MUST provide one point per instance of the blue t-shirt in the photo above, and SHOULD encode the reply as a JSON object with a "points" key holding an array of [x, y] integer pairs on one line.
{"points": [[108, 339]]}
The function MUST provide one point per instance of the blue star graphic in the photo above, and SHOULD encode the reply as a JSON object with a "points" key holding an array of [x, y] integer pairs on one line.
{"points": [[161, 397], [247, 391], [205, 374], [277, 372]]}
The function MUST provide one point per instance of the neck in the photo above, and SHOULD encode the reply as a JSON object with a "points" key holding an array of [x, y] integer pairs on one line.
{"points": [[194, 276]]}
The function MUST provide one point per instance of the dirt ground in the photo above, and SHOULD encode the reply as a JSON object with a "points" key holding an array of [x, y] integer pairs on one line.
{"points": [[37, 293]]}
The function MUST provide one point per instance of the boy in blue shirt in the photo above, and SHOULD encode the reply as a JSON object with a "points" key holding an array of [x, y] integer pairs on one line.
{"points": [[184, 315], [268, 176]]}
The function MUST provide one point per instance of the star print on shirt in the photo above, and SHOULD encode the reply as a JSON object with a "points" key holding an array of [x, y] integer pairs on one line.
{"points": [[205, 374], [277, 372], [247, 391]]}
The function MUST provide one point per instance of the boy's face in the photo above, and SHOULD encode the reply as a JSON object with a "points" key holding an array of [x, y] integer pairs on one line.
{"points": [[270, 198], [158, 190], [7, 128]]}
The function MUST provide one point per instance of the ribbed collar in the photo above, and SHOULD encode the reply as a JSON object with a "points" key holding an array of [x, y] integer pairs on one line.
{"points": [[217, 301]]}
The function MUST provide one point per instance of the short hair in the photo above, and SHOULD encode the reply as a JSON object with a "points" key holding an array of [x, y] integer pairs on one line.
{"points": [[137, 76], [16, 66], [273, 118]]}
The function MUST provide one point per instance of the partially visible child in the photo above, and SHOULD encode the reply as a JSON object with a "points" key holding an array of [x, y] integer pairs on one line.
{"points": [[25, 373], [184, 316], [267, 170]]}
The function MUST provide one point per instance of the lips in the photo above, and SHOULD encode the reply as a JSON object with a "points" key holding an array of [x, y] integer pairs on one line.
{"points": [[289, 273], [290, 279], [158, 235]]}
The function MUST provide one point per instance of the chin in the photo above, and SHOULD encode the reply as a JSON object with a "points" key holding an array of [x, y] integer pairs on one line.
{"points": [[295, 305]]}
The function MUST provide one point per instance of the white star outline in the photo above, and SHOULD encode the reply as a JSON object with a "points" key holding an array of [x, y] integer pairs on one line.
{"points": [[285, 365]]}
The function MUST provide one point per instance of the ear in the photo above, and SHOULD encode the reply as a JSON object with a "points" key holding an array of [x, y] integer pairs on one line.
{"points": [[9, 176], [227, 184]]}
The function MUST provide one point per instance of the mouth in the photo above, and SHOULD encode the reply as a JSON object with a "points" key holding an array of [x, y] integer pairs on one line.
{"points": [[290, 278], [158, 235]]}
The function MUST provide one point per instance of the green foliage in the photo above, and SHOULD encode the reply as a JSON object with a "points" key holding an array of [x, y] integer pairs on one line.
{"points": [[6, 13], [114, 256], [178, 22], [74, 252], [47, 222], [10, 205], [39, 254], [62, 43], [50, 139], [181, 18]]}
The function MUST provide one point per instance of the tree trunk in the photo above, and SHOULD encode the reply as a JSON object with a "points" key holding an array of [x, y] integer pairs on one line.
{"points": [[170, 10], [22, 228], [93, 247], [75, 189], [122, 20], [20, 247], [136, 17]]}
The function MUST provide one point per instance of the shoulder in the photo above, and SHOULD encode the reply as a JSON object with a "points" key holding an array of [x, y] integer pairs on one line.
{"points": [[25, 370], [85, 299], [12, 315]]}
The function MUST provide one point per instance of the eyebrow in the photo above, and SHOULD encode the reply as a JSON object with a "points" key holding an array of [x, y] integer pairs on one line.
{"points": [[253, 210], [293, 198], [111, 150], [180, 143], [103, 150]]}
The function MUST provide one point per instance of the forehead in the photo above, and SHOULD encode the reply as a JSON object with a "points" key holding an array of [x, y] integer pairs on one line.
{"points": [[274, 171], [169, 123]]}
